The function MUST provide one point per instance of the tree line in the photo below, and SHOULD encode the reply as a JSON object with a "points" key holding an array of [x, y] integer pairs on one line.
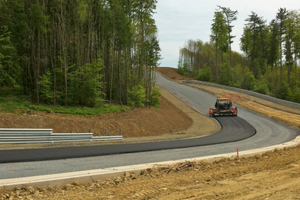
{"points": [[80, 52], [269, 63]]}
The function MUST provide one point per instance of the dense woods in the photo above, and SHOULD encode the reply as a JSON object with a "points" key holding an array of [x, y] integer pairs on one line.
{"points": [[270, 60], [80, 52]]}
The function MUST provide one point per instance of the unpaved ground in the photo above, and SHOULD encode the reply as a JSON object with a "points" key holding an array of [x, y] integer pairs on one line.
{"points": [[134, 123], [171, 73], [268, 176]]}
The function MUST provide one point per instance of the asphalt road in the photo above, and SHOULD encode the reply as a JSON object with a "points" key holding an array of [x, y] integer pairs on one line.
{"points": [[268, 132]]}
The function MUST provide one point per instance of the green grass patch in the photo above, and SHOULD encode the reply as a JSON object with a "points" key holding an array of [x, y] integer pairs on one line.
{"points": [[14, 101]]}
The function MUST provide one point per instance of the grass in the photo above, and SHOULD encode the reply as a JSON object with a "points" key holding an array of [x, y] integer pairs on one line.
{"points": [[14, 101]]}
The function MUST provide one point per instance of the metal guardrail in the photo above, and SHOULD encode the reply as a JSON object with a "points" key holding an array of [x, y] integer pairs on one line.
{"points": [[255, 94], [17, 136], [24, 131]]}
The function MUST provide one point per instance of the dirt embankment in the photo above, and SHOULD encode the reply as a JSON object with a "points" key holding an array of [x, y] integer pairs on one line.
{"points": [[171, 73], [268, 176], [134, 123]]}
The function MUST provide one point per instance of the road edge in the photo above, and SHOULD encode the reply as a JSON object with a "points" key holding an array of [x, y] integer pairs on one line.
{"points": [[59, 180]]}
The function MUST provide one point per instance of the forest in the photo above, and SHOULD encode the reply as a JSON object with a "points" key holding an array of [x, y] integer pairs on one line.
{"points": [[80, 52], [268, 64]]}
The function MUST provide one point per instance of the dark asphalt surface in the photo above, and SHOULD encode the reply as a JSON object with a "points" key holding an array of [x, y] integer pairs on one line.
{"points": [[233, 129], [268, 132]]}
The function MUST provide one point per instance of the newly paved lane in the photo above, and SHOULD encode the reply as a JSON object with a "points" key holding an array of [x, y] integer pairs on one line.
{"points": [[269, 132], [233, 129]]}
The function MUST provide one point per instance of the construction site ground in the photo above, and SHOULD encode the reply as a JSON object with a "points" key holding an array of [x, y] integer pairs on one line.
{"points": [[269, 176]]}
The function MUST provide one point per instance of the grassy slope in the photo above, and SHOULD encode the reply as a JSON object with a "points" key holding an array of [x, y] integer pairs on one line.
{"points": [[13, 100]]}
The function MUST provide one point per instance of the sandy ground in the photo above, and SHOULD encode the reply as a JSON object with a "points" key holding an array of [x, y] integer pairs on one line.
{"points": [[274, 175]]}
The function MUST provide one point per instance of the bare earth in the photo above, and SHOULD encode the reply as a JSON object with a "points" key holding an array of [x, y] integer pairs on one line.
{"points": [[269, 176]]}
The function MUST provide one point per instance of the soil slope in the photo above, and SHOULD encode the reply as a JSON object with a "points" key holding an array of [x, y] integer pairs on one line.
{"points": [[137, 122]]}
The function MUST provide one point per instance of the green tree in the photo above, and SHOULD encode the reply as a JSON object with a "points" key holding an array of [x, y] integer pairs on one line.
{"points": [[9, 69], [273, 44], [281, 17], [205, 74], [219, 35], [230, 17]]}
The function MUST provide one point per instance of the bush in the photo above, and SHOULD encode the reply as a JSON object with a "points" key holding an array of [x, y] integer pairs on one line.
{"points": [[294, 95], [225, 75], [155, 94], [86, 85], [137, 96], [283, 91], [46, 92], [261, 86], [183, 70], [248, 81], [205, 74]]}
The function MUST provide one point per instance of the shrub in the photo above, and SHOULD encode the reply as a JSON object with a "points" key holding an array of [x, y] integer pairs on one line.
{"points": [[205, 74], [183, 70], [155, 94], [225, 74], [261, 86], [294, 95], [248, 81], [137, 96], [46, 91], [282, 91]]}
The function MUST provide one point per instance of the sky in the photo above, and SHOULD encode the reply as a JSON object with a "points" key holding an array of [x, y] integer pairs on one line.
{"points": [[181, 20]]}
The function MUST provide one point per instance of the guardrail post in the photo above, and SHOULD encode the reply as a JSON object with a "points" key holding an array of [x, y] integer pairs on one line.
{"points": [[71, 131], [105, 132], [120, 132], [90, 130]]}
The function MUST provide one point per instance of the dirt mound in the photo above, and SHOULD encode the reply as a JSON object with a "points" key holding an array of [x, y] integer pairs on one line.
{"points": [[170, 73], [134, 123]]}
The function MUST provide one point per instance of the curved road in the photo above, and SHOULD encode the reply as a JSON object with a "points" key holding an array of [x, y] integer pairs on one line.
{"points": [[269, 132]]}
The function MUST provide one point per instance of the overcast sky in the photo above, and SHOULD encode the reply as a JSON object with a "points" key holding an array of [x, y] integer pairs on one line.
{"points": [[181, 20]]}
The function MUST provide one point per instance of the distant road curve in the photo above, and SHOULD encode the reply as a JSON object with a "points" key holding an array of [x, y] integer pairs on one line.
{"points": [[248, 92]]}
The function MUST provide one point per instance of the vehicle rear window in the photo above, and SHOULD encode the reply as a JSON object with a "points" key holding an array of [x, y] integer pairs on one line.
{"points": [[223, 101]]}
